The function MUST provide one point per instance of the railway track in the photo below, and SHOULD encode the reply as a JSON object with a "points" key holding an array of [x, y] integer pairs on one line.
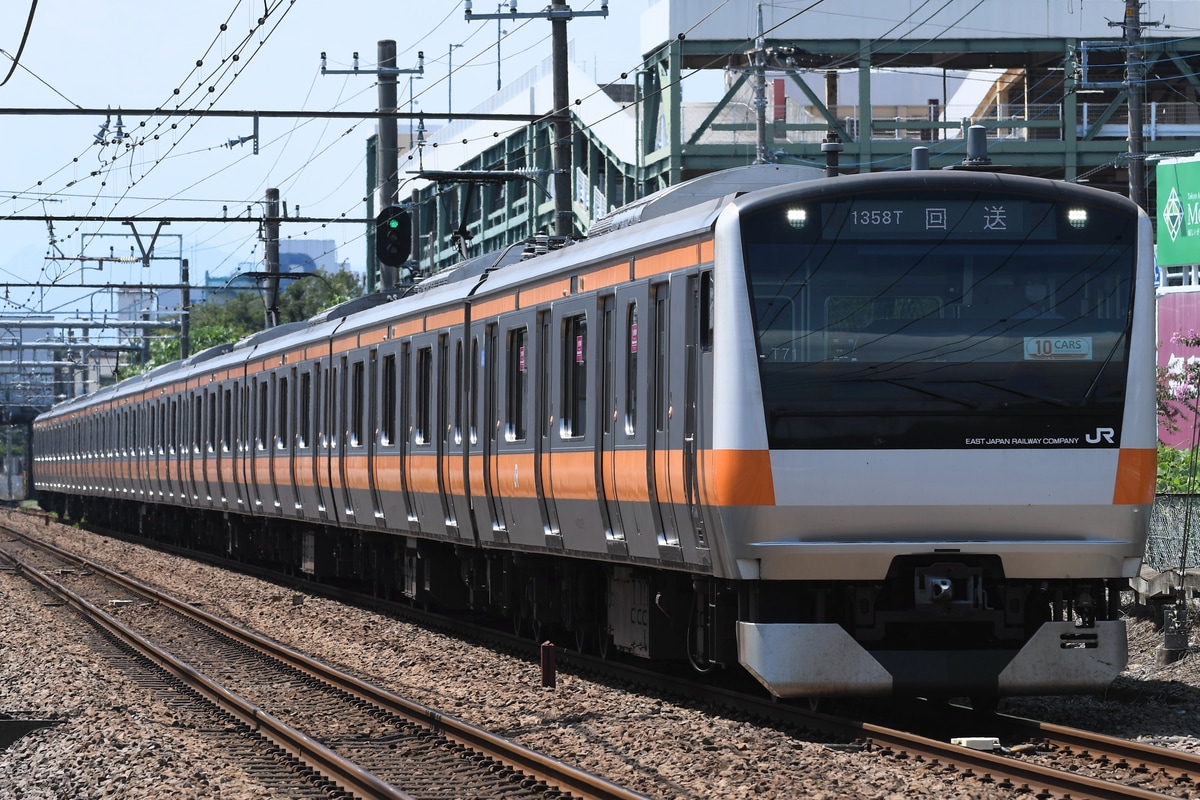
{"points": [[1040, 759], [363, 740]]}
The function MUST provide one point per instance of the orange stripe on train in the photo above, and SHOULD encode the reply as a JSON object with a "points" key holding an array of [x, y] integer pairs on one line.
{"points": [[1137, 472]]}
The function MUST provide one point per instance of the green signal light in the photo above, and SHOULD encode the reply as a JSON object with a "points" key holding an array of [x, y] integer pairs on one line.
{"points": [[393, 223]]}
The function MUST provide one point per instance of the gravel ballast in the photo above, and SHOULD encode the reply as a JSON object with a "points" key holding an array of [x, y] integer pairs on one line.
{"points": [[115, 740]]}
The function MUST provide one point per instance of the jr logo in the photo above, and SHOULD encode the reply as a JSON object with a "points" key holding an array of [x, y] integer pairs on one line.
{"points": [[1101, 435]]}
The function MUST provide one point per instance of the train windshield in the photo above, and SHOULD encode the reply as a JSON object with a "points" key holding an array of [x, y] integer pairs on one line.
{"points": [[958, 320]]}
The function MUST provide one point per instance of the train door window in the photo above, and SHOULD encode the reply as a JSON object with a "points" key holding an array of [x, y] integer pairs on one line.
{"points": [[357, 385], [573, 421], [152, 432], [459, 392], [608, 377], [516, 382], [660, 358], [544, 360], [197, 422], [442, 381], [211, 435], [260, 434], [282, 417], [491, 376], [706, 310], [424, 389], [304, 420], [388, 400], [475, 366], [631, 361], [173, 439], [227, 419]]}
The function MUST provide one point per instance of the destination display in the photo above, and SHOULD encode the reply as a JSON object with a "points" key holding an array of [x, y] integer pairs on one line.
{"points": [[975, 220]]}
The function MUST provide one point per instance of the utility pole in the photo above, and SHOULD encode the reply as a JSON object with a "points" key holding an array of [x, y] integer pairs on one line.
{"points": [[559, 14], [1135, 86], [185, 311], [271, 257], [388, 152], [759, 66]]}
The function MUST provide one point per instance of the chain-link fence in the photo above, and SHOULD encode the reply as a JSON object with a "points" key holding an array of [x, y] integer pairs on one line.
{"points": [[1173, 541]]}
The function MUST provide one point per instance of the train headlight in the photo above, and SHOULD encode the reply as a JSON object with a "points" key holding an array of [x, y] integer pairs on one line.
{"points": [[1078, 217], [797, 217]]}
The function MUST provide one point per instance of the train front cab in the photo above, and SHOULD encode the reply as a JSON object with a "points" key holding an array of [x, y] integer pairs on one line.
{"points": [[932, 423]]}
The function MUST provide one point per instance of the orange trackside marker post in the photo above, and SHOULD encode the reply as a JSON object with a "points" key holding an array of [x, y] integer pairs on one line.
{"points": [[548, 669]]}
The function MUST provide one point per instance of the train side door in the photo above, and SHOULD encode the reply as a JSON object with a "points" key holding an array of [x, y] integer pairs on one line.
{"points": [[385, 461], [515, 477], [455, 466], [626, 471], [576, 436], [426, 439], [481, 430], [661, 416], [543, 411], [322, 446]]}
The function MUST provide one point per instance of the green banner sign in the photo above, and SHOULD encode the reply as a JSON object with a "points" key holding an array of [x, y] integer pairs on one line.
{"points": [[1178, 211]]}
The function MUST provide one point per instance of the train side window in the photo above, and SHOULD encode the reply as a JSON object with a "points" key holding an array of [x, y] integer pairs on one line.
{"points": [[424, 399], [516, 383], [388, 400], [357, 372], [631, 360], [573, 423], [304, 421]]}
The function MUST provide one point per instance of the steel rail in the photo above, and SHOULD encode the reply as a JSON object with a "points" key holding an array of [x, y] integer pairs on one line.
{"points": [[538, 765], [329, 764]]}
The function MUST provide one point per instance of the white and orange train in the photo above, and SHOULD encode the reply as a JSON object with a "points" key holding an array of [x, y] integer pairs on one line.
{"points": [[864, 435]]}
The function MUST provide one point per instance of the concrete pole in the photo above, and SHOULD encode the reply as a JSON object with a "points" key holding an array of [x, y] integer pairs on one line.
{"points": [[389, 184], [1135, 84], [271, 256], [185, 311], [563, 218]]}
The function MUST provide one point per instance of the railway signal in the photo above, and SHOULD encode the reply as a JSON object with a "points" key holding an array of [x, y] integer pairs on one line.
{"points": [[393, 236]]}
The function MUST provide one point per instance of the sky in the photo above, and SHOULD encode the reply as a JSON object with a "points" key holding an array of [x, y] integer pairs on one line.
{"points": [[227, 55]]}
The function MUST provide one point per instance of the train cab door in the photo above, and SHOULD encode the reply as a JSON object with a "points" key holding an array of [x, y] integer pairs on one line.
{"points": [[482, 422]]}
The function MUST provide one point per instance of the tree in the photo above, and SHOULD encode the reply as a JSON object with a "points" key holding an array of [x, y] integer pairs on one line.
{"points": [[233, 315]]}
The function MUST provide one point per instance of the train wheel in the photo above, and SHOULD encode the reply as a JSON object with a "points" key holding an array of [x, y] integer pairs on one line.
{"points": [[604, 644]]}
